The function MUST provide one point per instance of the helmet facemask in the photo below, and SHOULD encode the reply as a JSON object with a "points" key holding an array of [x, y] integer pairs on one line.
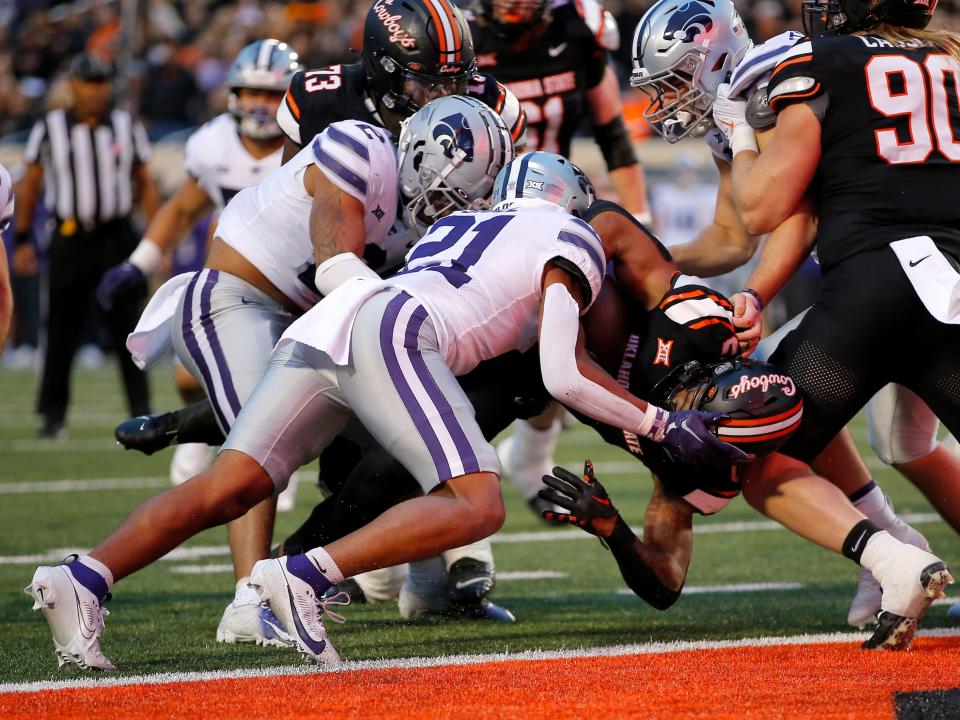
{"points": [[678, 106], [255, 119]]}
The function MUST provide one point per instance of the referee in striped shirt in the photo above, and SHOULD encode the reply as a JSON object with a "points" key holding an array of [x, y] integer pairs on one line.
{"points": [[91, 161]]}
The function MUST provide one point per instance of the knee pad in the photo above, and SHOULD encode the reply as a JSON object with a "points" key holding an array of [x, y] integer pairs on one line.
{"points": [[900, 426]]}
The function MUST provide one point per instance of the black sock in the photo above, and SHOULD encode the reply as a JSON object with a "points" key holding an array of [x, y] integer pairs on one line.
{"points": [[857, 539]]}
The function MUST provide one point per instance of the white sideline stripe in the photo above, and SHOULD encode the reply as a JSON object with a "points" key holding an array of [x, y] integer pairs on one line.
{"points": [[501, 576], [732, 588], [57, 486], [454, 660], [202, 551]]}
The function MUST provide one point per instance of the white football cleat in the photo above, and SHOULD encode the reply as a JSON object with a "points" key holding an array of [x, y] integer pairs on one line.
{"points": [[251, 623], [297, 606], [911, 579], [75, 617]]}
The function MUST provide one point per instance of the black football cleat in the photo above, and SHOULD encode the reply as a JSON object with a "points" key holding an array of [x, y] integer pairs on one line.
{"points": [[483, 609], [148, 433], [469, 583]]}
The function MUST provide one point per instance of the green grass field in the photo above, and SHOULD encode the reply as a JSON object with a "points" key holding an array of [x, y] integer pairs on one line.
{"points": [[165, 621]]}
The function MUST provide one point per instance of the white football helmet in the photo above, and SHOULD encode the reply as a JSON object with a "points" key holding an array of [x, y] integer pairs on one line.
{"points": [[682, 51], [545, 176], [262, 65], [450, 152]]}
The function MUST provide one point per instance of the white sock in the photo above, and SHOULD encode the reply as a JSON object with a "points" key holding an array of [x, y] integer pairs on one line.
{"points": [[245, 595], [479, 550], [323, 559], [876, 506], [98, 567], [531, 455]]}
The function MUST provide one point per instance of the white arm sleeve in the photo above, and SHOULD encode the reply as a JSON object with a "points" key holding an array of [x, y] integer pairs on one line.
{"points": [[338, 269], [562, 378]]}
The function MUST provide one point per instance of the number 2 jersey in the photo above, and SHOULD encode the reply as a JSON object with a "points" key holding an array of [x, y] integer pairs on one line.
{"points": [[890, 163], [269, 223]]}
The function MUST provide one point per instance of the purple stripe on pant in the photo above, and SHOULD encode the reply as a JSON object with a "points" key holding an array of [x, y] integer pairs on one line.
{"points": [[464, 450], [389, 351], [193, 347], [206, 322]]}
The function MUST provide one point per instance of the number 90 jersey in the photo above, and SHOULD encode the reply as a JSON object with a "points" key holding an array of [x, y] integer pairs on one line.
{"points": [[480, 276], [269, 224], [890, 164]]}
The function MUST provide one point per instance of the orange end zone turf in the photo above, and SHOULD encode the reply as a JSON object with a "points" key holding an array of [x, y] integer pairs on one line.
{"points": [[801, 682]]}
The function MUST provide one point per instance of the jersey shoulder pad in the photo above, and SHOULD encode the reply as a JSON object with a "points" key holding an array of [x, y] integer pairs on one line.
{"points": [[598, 22], [797, 76], [357, 157], [289, 112], [486, 89], [204, 143], [579, 245], [760, 60]]}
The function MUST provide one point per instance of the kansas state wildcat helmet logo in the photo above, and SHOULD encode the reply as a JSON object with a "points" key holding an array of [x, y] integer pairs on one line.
{"points": [[452, 132], [687, 22]]}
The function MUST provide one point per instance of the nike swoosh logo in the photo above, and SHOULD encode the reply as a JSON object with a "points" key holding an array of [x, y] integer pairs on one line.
{"points": [[245, 301], [856, 545], [467, 583], [554, 51], [85, 630], [315, 647], [602, 501], [684, 426], [914, 263]]}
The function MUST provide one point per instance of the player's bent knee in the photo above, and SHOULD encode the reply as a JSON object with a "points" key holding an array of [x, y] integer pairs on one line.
{"points": [[481, 503], [234, 484]]}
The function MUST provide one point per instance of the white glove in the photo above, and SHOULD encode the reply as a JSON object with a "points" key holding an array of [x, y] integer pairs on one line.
{"points": [[731, 117]]}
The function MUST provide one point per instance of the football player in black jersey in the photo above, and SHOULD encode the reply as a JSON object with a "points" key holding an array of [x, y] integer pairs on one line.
{"points": [[553, 56], [862, 108], [413, 51]]}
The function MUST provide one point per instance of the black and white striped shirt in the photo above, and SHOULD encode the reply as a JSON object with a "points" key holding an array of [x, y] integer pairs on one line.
{"points": [[88, 170]]}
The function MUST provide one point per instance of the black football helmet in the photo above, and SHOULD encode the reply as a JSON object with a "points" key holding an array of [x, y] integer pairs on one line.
{"points": [[841, 17], [415, 51], [762, 405], [510, 19]]}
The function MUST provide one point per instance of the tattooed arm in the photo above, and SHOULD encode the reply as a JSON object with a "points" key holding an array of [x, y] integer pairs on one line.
{"points": [[336, 219]]}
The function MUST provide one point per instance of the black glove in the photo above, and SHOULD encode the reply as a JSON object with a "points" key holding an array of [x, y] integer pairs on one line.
{"points": [[583, 497]]}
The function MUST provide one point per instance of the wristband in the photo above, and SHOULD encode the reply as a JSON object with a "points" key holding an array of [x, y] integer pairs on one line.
{"points": [[654, 423], [147, 256], [755, 295], [338, 269], [743, 138]]}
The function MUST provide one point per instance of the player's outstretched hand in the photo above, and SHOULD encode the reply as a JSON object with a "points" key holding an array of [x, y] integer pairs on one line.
{"points": [[583, 497], [689, 439], [747, 320], [117, 279]]}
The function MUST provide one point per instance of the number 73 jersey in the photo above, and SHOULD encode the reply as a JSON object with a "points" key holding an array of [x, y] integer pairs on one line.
{"points": [[890, 164]]}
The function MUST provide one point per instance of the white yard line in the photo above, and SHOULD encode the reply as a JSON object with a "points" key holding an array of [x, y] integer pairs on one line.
{"points": [[732, 588], [454, 660], [58, 486], [201, 551]]}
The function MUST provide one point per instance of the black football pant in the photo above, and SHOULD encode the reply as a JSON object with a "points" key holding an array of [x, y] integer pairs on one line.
{"points": [[77, 262], [867, 328], [366, 480]]}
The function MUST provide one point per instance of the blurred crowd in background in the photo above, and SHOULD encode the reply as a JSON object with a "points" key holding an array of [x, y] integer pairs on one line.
{"points": [[181, 49]]}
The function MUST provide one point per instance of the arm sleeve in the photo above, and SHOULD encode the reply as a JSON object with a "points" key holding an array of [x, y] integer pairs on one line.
{"points": [[639, 576], [357, 157], [34, 147], [796, 78]]}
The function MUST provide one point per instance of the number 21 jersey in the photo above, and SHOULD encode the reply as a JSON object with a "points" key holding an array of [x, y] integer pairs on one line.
{"points": [[890, 164]]}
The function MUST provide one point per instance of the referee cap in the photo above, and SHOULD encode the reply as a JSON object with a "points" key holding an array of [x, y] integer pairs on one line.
{"points": [[87, 66]]}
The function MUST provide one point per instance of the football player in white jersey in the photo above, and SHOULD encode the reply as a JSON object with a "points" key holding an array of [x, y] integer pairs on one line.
{"points": [[230, 152], [6, 293], [664, 63], [479, 284]]}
